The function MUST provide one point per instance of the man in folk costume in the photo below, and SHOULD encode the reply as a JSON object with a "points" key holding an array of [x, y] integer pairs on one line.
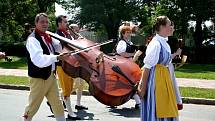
{"points": [[79, 82], [66, 81], [41, 58]]}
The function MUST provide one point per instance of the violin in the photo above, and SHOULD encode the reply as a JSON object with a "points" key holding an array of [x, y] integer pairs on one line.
{"points": [[112, 79]]}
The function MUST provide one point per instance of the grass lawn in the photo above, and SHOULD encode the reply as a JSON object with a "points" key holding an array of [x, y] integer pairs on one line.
{"points": [[15, 80], [197, 92], [185, 91], [17, 63], [197, 71]]}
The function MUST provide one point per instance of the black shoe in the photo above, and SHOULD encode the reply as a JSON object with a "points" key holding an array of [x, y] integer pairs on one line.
{"points": [[81, 107], [49, 106], [73, 118], [137, 106]]}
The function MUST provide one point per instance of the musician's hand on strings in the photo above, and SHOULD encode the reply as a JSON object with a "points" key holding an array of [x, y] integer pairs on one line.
{"points": [[62, 55], [65, 54]]}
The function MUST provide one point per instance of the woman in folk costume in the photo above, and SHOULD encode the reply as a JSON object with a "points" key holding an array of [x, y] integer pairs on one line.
{"points": [[126, 49], [172, 74], [156, 88]]}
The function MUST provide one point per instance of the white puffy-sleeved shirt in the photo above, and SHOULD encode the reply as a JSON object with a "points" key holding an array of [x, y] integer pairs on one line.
{"points": [[121, 46], [153, 50], [36, 52]]}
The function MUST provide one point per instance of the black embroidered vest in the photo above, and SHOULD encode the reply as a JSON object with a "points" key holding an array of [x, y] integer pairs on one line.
{"points": [[33, 70], [129, 48]]}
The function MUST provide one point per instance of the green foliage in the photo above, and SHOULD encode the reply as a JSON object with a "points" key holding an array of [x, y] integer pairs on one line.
{"points": [[12, 18], [97, 13], [15, 13], [51, 15], [44, 5], [110, 13]]}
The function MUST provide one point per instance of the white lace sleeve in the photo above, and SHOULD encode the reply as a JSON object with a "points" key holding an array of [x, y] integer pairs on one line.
{"points": [[152, 54], [121, 47]]}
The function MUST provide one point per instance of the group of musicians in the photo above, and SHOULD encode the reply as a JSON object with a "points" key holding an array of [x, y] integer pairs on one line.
{"points": [[44, 55], [44, 58]]}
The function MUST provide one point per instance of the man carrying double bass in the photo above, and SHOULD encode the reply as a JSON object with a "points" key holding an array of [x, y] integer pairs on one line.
{"points": [[66, 81]]}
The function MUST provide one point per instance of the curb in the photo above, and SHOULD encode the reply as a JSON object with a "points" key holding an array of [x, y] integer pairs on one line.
{"points": [[185, 100], [204, 101], [14, 87], [23, 87]]}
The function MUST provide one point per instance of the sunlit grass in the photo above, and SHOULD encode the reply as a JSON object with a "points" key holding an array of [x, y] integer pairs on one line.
{"points": [[16, 63], [197, 92], [14, 80], [197, 71]]}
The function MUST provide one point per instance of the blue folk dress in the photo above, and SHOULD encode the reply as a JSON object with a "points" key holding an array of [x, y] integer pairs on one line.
{"points": [[160, 102]]}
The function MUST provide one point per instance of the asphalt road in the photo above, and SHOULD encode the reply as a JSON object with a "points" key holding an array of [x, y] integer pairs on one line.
{"points": [[12, 103]]}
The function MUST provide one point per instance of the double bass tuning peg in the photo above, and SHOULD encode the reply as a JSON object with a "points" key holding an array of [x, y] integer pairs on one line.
{"points": [[100, 58]]}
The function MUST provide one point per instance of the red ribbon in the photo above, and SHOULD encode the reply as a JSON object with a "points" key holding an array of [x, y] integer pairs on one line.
{"points": [[66, 33], [47, 37]]}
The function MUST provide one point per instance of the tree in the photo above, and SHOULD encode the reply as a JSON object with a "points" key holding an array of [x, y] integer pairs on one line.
{"points": [[200, 12], [45, 4], [12, 17], [15, 13], [178, 11], [106, 13]]}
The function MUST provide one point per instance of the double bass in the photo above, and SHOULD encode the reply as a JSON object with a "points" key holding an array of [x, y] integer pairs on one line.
{"points": [[112, 79]]}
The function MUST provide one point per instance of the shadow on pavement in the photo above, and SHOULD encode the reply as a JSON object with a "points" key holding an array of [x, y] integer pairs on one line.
{"points": [[84, 115], [126, 112]]}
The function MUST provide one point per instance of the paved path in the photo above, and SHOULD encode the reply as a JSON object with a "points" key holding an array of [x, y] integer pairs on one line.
{"points": [[199, 83], [183, 82], [14, 72], [12, 104]]}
